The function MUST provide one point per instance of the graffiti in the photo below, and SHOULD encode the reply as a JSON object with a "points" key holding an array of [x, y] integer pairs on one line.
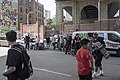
{"points": [[8, 14], [83, 35]]}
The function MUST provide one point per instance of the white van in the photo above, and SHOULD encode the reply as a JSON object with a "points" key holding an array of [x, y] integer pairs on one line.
{"points": [[111, 38]]}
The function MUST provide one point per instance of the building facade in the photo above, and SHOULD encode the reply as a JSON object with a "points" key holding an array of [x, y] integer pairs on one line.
{"points": [[34, 10], [88, 14], [31, 18], [47, 14]]}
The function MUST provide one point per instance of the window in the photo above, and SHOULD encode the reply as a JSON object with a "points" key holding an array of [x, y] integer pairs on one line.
{"points": [[113, 37], [20, 2], [101, 35], [29, 8], [29, 22], [30, 15], [20, 18], [26, 11], [26, 2], [36, 19], [20, 9]]}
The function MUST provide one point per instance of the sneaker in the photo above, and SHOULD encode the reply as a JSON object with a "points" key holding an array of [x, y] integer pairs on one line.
{"points": [[101, 74], [94, 75]]}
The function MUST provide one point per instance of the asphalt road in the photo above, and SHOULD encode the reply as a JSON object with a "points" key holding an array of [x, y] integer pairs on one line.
{"points": [[55, 65]]}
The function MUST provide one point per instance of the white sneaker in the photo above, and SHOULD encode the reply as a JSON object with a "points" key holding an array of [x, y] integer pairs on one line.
{"points": [[94, 75], [101, 73]]}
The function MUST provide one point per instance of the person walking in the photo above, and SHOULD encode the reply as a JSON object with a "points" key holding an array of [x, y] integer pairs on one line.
{"points": [[77, 41], [84, 61], [53, 42], [27, 42], [14, 61], [98, 56]]}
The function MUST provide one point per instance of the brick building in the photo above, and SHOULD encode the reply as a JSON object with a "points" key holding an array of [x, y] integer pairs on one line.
{"points": [[31, 7], [88, 15], [35, 20]]}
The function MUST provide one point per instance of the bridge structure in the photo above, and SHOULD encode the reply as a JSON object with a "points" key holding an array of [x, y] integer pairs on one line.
{"points": [[87, 15]]}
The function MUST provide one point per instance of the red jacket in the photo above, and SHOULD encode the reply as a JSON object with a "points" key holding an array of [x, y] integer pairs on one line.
{"points": [[83, 57]]}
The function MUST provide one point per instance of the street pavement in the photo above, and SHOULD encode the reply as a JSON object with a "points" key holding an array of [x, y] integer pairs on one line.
{"points": [[55, 65]]}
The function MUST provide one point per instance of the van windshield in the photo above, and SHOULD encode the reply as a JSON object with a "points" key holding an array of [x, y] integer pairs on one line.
{"points": [[113, 37]]}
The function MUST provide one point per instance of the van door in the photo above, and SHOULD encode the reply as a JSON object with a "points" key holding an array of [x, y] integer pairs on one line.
{"points": [[113, 42]]}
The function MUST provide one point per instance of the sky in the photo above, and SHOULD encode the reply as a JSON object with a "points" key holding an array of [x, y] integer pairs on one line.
{"points": [[49, 5]]}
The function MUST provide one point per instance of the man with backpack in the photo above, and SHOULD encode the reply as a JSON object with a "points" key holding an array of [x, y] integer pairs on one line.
{"points": [[17, 60]]}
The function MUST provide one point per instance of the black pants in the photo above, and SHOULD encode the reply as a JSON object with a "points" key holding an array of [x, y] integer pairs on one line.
{"points": [[67, 48], [53, 45], [86, 77], [20, 79], [27, 45], [77, 47], [98, 60]]}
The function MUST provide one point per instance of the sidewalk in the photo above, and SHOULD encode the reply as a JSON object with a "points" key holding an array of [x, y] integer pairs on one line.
{"points": [[3, 51]]}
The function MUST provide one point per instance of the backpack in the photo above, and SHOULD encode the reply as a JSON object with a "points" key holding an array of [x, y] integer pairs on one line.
{"points": [[27, 69]]}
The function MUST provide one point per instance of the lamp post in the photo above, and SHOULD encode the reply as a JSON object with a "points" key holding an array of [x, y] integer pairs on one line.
{"points": [[28, 17], [28, 20]]}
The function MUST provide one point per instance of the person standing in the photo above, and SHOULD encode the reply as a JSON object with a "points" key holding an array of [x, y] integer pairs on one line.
{"points": [[48, 40], [98, 56], [53, 42], [27, 41], [14, 61], [68, 44], [84, 61], [90, 38], [37, 43], [61, 43], [77, 41]]}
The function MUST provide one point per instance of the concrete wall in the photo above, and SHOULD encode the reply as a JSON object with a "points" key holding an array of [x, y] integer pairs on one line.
{"points": [[99, 25]]}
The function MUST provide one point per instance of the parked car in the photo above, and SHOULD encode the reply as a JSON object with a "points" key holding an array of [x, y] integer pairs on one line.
{"points": [[33, 44], [3, 41]]}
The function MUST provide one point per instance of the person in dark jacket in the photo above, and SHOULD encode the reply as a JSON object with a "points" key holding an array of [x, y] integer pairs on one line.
{"points": [[77, 41], [68, 44], [98, 56], [27, 41], [14, 61]]}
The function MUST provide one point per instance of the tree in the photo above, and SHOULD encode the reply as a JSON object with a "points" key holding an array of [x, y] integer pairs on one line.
{"points": [[52, 22], [49, 23]]}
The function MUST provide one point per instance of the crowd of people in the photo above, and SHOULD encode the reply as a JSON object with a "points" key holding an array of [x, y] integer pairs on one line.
{"points": [[86, 51], [88, 54]]}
